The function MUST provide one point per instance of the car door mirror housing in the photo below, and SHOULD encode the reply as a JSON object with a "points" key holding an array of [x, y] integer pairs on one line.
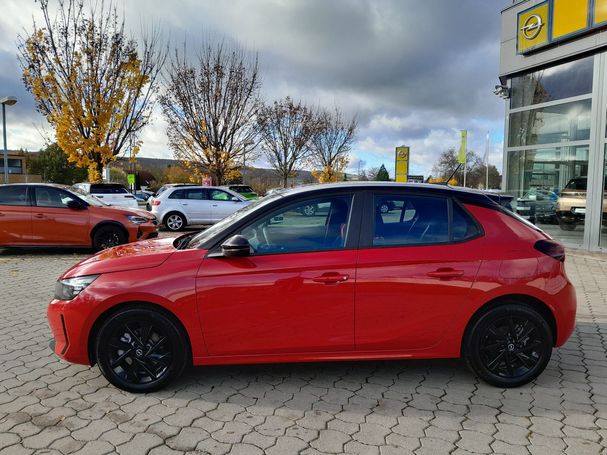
{"points": [[235, 199], [75, 205], [236, 246]]}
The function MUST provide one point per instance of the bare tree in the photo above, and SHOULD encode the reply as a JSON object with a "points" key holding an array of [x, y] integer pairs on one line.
{"points": [[331, 145], [93, 83], [285, 132], [210, 106]]}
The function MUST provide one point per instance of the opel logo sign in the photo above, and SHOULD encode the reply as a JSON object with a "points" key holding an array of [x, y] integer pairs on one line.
{"points": [[532, 26]]}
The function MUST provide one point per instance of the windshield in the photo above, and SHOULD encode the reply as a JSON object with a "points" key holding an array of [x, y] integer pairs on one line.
{"points": [[205, 235], [89, 198]]}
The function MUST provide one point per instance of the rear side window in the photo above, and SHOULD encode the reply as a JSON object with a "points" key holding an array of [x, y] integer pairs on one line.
{"points": [[177, 194], [410, 220], [13, 195], [420, 220]]}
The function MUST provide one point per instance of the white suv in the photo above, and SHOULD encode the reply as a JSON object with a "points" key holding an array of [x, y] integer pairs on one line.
{"points": [[110, 193], [182, 205]]}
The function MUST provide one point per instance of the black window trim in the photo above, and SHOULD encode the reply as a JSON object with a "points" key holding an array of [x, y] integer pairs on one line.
{"points": [[352, 235], [368, 226]]}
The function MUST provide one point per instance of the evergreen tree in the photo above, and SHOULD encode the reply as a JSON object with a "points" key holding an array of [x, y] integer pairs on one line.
{"points": [[382, 174]]}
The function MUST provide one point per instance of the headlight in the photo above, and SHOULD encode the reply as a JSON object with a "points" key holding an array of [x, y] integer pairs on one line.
{"points": [[137, 219], [68, 289]]}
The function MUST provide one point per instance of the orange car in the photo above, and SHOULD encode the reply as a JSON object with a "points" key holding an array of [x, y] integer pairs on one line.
{"points": [[54, 215]]}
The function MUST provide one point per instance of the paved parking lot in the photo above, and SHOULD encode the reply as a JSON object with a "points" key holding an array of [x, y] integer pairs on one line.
{"points": [[422, 407]]}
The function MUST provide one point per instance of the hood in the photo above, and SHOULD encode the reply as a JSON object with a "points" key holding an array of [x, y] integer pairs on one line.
{"points": [[124, 211], [138, 255]]}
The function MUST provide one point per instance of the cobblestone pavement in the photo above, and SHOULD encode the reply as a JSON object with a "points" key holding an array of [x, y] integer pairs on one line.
{"points": [[398, 407]]}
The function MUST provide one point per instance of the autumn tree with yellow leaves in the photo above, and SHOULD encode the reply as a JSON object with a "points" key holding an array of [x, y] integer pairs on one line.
{"points": [[210, 103], [93, 83], [331, 144]]}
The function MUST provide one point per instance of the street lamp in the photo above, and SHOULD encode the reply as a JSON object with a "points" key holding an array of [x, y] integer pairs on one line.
{"points": [[244, 156], [6, 101]]}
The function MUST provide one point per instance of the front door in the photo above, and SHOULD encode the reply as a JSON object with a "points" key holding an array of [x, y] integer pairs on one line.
{"points": [[54, 223], [222, 204], [15, 215], [415, 271], [293, 294]]}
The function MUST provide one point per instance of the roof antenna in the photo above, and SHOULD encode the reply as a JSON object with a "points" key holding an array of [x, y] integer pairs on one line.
{"points": [[456, 169]]}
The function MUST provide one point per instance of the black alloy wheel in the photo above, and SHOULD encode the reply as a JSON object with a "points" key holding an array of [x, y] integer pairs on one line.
{"points": [[508, 346], [140, 350], [108, 237]]}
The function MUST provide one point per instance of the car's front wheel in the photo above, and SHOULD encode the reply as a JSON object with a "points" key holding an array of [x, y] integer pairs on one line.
{"points": [[509, 345], [108, 237], [139, 349]]}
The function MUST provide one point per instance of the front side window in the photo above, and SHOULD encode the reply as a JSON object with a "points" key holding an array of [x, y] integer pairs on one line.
{"points": [[52, 197], [218, 195], [311, 225], [108, 189], [410, 220], [13, 195]]}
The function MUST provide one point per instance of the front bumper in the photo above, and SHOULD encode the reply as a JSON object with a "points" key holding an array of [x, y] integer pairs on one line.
{"points": [[67, 327], [147, 231]]}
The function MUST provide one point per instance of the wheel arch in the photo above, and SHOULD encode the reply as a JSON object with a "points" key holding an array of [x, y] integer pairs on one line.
{"points": [[524, 299], [140, 304], [105, 223]]}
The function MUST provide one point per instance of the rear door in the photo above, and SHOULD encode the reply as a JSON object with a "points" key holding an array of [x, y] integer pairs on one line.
{"points": [[54, 223], [15, 215], [416, 266]]}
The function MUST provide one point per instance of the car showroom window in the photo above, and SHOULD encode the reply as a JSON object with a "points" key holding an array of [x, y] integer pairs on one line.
{"points": [[52, 197], [410, 220], [294, 229], [463, 226], [13, 195]]}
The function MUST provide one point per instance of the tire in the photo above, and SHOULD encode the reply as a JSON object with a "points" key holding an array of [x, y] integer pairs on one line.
{"points": [[108, 237], [140, 350], [309, 210], [384, 208], [567, 226], [504, 360], [175, 221]]}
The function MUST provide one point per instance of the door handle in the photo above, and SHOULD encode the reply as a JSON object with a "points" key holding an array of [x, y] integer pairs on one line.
{"points": [[446, 273], [183, 203], [39, 216], [331, 279]]}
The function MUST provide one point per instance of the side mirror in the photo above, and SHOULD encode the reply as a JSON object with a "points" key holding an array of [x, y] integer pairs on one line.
{"points": [[235, 199], [236, 246], [74, 205]]}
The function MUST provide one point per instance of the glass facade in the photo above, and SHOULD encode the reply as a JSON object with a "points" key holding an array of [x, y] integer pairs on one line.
{"points": [[548, 148]]}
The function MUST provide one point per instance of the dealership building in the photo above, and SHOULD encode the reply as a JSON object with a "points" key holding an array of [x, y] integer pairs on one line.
{"points": [[553, 75]]}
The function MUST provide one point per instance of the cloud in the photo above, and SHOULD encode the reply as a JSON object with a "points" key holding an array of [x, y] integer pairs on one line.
{"points": [[413, 72]]}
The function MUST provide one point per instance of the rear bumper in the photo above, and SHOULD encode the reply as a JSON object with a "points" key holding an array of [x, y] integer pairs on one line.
{"points": [[564, 308]]}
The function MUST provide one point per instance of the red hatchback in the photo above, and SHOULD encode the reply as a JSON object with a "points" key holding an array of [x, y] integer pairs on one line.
{"points": [[443, 273]]}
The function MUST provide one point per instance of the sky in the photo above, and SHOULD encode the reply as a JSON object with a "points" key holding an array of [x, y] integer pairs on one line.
{"points": [[413, 72]]}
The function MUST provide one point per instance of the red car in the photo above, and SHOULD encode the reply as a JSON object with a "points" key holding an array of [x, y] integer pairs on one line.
{"points": [[446, 273], [49, 215]]}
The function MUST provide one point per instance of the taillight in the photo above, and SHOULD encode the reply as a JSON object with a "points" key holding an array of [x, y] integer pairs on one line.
{"points": [[155, 202], [549, 248]]}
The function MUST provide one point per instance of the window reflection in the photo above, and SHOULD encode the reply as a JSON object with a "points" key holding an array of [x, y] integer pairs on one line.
{"points": [[561, 123], [549, 186], [555, 83]]}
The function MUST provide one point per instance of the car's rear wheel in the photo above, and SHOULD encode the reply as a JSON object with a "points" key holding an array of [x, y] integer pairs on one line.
{"points": [[174, 221], [509, 345], [141, 350], [107, 237]]}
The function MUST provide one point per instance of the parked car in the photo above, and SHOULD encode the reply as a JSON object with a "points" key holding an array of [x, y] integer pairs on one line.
{"points": [[454, 275], [538, 205], [110, 193], [163, 188], [571, 204], [244, 190], [179, 206], [55, 215], [142, 195]]}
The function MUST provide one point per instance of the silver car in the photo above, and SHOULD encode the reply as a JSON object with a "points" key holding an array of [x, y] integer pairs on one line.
{"points": [[179, 206]]}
